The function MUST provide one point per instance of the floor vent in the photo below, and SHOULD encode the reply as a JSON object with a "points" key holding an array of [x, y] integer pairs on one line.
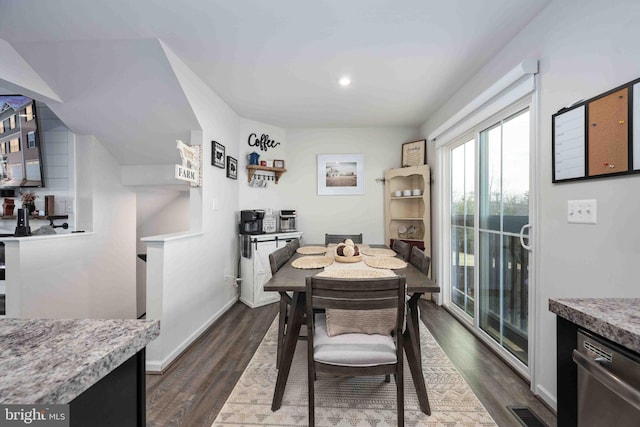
{"points": [[526, 416]]}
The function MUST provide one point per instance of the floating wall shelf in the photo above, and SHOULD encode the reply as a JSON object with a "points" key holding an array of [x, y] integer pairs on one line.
{"points": [[251, 169]]}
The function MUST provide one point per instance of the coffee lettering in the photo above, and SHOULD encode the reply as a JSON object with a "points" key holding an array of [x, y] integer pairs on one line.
{"points": [[264, 143]]}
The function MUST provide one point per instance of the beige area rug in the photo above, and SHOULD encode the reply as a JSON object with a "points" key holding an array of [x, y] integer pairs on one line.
{"points": [[350, 401]]}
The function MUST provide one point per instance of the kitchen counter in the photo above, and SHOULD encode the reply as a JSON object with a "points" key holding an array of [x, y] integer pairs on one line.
{"points": [[617, 319], [86, 363]]}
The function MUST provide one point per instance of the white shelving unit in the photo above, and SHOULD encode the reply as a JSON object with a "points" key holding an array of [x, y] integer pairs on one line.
{"points": [[408, 218]]}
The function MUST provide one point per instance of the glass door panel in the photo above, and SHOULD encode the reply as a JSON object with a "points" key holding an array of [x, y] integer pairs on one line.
{"points": [[503, 210], [462, 226]]}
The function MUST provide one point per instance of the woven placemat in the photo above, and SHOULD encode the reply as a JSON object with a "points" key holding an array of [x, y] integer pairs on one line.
{"points": [[356, 273], [311, 250], [377, 252], [312, 262], [385, 262]]}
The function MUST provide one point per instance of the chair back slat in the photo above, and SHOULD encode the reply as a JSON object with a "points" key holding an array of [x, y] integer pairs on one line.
{"points": [[293, 245], [402, 248], [357, 294], [420, 260], [278, 258], [337, 238]]}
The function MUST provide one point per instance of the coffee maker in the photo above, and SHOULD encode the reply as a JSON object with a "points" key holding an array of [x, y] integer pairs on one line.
{"points": [[251, 221], [22, 227], [287, 220]]}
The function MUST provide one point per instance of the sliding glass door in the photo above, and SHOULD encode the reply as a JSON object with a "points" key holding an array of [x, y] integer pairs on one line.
{"points": [[503, 211], [489, 266]]}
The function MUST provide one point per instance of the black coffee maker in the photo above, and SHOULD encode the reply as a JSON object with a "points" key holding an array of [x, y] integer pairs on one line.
{"points": [[251, 221], [22, 227]]}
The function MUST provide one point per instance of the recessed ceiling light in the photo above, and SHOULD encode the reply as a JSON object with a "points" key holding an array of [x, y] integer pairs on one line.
{"points": [[344, 81]]}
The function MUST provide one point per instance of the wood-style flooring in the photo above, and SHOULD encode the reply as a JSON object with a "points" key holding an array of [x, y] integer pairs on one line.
{"points": [[195, 387]]}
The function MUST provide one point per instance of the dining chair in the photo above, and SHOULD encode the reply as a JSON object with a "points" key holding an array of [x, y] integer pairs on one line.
{"points": [[337, 238], [277, 259], [402, 248], [355, 353], [420, 260]]}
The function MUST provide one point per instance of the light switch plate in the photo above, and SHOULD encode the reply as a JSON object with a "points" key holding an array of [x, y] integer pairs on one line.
{"points": [[582, 211]]}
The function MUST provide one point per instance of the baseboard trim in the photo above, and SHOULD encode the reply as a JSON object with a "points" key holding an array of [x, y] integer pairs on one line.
{"points": [[547, 398], [160, 366]]}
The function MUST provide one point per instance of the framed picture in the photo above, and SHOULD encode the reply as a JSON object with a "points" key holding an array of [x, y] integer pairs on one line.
{"points": [[414, 153], [340, 174], [232, 168], [217, 154], [278, 163]]}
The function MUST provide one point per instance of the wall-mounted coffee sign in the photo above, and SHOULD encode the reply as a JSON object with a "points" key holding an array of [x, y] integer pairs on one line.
{"points": [[263, 143]]}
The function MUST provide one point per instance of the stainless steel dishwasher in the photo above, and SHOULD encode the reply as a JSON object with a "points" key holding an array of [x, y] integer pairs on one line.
{"points": [[608, 383]]}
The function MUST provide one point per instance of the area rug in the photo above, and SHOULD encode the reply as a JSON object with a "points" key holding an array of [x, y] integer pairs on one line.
{"points": [[350, 401]]}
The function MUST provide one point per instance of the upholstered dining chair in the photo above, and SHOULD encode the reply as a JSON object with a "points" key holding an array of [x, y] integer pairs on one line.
{"points": [[420, 260], [277, 259], [337, 238], [402, 248], [355, 353]]}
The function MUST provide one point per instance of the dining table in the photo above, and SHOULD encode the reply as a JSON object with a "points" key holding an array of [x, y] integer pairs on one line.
{"points": [[289, 279]]}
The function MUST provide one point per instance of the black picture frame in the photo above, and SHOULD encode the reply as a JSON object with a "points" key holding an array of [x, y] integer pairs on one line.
{"points": [[232, 168], [217, 154]]}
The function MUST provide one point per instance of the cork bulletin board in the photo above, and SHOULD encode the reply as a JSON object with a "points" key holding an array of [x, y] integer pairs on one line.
{"points": [[608, 140], [595, 138]]}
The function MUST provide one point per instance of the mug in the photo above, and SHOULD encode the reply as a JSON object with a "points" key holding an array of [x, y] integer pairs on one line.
{"points": [[416, 192], [398, 193], [263, 163]]}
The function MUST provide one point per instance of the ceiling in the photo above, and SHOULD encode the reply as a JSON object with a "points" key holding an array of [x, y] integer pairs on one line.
{"points": [[275, 61]]}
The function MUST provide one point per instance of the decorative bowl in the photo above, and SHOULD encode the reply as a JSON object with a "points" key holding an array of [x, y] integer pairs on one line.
{"points": [[347, 259]]}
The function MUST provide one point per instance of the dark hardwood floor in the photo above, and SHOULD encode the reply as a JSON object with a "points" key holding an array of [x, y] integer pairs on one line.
{"points": [[193, 390], [492, 380]]}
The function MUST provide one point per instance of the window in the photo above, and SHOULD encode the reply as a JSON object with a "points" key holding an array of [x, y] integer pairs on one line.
{"points": [[31, 140], [12, 122], [3, 148], [15, 171], [28, 112], [33, 170], [2, 126], [14, 145]]}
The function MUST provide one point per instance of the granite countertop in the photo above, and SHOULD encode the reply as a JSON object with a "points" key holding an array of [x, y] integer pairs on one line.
{"points": [[617, 319], [50, 361]]}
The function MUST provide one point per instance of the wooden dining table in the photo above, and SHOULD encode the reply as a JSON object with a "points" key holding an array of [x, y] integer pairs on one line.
{"points": [[291, 279]]}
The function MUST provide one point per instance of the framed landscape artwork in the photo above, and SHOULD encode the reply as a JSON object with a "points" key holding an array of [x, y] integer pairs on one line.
{"points": [[340, 174]]}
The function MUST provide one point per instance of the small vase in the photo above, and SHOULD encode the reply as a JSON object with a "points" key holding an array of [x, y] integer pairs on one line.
{"points": [[30, 207]]}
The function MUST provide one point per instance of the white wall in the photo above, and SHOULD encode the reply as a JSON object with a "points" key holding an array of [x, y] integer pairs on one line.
{"points": [[112, 272], [585, 47], [318, 215], [159, 210], [259, 197], [187, 287]]}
